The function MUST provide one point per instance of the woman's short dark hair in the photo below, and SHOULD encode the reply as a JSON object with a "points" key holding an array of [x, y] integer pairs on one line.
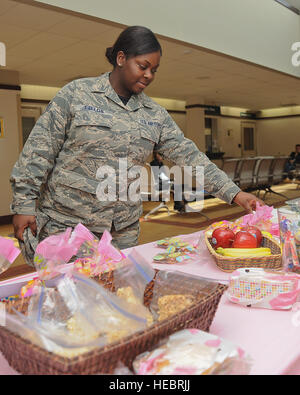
{"points": [[133, 41]]}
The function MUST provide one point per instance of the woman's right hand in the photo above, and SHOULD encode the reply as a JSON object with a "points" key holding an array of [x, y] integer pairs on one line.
{"points": [[21, 222]]}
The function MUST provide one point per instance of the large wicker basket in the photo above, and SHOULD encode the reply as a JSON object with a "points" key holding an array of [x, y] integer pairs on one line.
{"points": [[28, 358], [230, 264]]}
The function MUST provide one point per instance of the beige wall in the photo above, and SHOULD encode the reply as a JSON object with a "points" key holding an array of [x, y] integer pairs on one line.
{"points": [[278, 136], [195, 126], [275, 136], [229, 136], [9, 144]]}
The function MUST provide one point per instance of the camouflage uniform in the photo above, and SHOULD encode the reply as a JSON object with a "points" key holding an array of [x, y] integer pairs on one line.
{"points": [[87, 126]]}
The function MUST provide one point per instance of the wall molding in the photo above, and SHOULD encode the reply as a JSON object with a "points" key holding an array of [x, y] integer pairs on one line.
{"points": [[41, 101], [256, 118], [279, 117], [10, 87], [176, 112]]}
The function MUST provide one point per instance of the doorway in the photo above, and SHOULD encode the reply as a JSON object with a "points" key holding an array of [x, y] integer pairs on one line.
{"points": [[248, 139]]}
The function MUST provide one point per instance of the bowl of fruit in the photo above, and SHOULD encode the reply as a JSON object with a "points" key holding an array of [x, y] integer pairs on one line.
{"points": [[243, 247]]}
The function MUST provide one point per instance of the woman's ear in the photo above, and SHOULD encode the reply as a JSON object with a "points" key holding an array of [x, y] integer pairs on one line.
{"points": [[120, 59]]}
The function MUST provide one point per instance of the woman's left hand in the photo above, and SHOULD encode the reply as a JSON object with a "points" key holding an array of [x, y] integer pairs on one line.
{"points": [[247, 201]]}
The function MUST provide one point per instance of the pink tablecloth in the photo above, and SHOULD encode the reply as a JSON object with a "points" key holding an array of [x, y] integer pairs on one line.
{"points": [[270, 337]]}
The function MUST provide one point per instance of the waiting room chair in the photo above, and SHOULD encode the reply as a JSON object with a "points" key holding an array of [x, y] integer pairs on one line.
{"points": [[231, 167], [262, 175], [278, 173], [245, 173], [296, 175]]}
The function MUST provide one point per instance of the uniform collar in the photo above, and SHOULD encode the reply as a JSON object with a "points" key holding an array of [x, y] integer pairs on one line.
{"points": [[102, 85]]}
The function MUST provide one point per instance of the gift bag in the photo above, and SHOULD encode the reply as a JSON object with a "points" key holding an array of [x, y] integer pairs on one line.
{"points": [[96, 257], [57, 250]]}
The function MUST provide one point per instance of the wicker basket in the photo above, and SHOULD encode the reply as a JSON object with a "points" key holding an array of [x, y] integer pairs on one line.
{"points": [[28, 358], [230, 264]]}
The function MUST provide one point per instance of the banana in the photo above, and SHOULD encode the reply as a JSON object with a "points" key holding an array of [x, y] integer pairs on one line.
{"points": [[258, 254], [244, 252]]}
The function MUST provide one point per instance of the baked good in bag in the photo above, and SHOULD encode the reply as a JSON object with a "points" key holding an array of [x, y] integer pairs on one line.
{"points": [[127, 294], [193, 352], [169, 305]]}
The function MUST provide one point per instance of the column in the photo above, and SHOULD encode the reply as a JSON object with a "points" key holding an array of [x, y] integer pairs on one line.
{"points": [[195, 123]]}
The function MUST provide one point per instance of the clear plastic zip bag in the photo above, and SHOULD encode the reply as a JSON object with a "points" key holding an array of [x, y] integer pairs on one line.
{"points": [[78, 316], [95, 257], [175, 291], [132, 277], [57, 250]]}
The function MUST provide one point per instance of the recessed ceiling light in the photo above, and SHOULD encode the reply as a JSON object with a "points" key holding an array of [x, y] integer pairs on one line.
{"points": [[187, 51]]}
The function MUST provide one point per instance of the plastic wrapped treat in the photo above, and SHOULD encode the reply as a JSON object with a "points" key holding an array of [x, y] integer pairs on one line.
{"points": [[8, 253], [193, 352], [57, 250], [177, 250], [255, 287], [262, 218], [178, 244], [174, 292], [132, 277], [289, 223], [93, 256], [294, 204], [77, 316], [53, 253], [97, 257]]}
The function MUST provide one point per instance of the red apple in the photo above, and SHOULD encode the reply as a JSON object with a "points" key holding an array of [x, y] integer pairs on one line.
{"points": [[222, 237], [255, 232], [244, 239]]}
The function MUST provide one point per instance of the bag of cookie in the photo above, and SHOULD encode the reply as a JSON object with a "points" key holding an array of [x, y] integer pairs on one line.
{"points": [[175, 291], [77, 316]]}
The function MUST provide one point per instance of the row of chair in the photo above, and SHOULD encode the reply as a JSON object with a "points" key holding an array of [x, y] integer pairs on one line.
{"points": [[256, 174], [259, 174]]}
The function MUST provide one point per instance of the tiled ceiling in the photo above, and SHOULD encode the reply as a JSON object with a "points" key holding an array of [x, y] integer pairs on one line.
{"points": [[51, 48]]}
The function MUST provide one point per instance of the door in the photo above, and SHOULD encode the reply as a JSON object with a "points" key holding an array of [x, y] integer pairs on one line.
{"points": [[248, 139]]}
